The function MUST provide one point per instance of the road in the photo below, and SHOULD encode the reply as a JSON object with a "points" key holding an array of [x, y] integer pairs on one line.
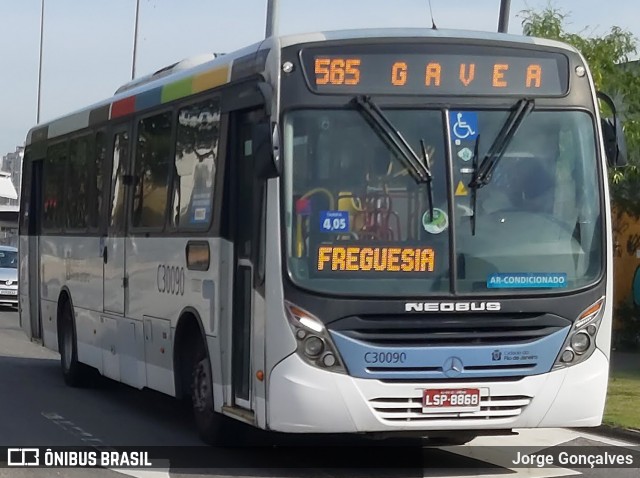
{"points": [[37, 409]]}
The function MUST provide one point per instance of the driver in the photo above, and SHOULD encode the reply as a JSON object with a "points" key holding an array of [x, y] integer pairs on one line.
{"points": [[524, 178], [537, 178]]}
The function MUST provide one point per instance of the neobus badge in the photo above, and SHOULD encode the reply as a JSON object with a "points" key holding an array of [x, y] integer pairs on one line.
{"points": [[452, 306]]}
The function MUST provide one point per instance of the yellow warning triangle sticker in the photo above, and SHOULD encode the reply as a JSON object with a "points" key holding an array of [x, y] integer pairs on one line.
{"points": [[461, 190]]}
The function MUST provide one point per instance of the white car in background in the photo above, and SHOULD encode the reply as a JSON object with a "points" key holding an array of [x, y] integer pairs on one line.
{"points": [[8, 276]]}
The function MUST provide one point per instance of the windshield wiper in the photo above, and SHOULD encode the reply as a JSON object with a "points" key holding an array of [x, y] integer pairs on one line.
{"points": [[427, 164], [482, 174], [474, 191], [419, 169]]}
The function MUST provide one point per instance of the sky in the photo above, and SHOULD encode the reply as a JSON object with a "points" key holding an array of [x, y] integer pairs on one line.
{"points": [[88, 44]]}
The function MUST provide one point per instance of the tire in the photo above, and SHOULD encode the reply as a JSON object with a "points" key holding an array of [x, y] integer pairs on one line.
{"points": [[212, 427], [74, 373]]}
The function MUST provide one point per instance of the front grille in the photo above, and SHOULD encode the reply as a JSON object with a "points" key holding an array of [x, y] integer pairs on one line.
{"points": [[395, 381], [479, 368], [409, 409], [443, 330]]}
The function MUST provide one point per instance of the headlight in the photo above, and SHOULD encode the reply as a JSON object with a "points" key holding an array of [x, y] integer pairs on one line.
{"points": [[580, 343], [313, 346], [567, 356], [314, 343]]}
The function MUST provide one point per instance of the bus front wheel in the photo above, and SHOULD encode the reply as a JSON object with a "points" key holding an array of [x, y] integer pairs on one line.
{"points": [[211, 425]]}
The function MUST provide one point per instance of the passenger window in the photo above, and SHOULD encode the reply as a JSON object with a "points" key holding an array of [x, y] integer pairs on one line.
{"points": [[120, 160], [54, 187], [152, 163], [195, 165], [99, 159], [78, 176]]}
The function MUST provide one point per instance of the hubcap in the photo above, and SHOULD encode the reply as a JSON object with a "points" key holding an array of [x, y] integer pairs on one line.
{"points": [[201, 390]]}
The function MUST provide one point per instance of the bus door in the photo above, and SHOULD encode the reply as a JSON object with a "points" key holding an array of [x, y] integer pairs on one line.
{"points": [[245, 245], [113, 246], [33, 327]]}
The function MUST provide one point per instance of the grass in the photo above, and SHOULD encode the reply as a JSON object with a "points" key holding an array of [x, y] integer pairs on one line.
{"points": [[623, 397]]}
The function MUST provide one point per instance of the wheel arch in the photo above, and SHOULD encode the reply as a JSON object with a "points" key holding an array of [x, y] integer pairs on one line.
{"points": [[188, 328]]}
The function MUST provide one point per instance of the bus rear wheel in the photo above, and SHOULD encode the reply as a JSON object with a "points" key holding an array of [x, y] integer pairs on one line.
{"points": [[73, 372]]}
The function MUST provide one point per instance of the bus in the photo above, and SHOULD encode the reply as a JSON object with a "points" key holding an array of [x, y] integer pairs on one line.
{"points": [[367, 231]]}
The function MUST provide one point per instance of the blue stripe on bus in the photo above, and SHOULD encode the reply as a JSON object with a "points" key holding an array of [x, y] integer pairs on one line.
{"points": [[148, 99], [429, 362]]}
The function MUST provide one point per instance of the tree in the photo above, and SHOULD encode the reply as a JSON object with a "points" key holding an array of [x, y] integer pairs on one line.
{"points": [[608, 59]]}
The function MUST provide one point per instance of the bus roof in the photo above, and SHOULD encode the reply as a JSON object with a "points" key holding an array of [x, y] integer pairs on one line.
{"points": [[289, 40], [174, 82]]}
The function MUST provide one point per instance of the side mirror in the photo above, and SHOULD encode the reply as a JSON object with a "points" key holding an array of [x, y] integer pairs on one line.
{"points": [[615, 145], [265, 151]]}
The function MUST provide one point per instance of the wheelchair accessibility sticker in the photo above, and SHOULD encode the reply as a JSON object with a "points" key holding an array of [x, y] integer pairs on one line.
{"points": [[464, 125]]}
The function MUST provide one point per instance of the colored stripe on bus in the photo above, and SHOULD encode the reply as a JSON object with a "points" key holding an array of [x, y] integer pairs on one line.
{"points": [[148, 99], [176, 90], [69, 123], [210, 79], [173, 91], [123, 107], [99, 115]]}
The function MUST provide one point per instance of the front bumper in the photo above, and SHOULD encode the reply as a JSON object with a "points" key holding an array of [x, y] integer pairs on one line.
{"points": [[305, 399], [8, 295]]}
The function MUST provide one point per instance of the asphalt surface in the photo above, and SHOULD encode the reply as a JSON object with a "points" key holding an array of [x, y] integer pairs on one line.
{"points": [[37, 409]]}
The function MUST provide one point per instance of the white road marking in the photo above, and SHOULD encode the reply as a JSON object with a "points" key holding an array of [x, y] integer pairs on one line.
{"points": [[607, 440], [494, 450], [98, 444], [497, 455], [72, 429], [155, 473]]}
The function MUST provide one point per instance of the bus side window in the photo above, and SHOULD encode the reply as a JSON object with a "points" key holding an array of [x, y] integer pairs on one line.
{"points": [[195, 165], [78, 174], [120, 160], [99, 159], [152, 166], [54, 187]]}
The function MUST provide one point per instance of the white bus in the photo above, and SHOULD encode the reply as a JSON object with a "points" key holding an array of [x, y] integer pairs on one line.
{"points": [[372, 231]]}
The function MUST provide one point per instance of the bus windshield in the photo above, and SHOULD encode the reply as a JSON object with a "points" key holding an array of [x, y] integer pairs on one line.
{"points": [[358, 223]]}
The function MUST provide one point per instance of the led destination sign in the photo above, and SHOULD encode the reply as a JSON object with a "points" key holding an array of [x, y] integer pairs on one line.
{"points": [[515, 73], [372, 260]]}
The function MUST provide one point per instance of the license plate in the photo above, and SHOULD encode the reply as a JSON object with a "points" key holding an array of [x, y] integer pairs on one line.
{"points": [[451, 400], [9, 292]]}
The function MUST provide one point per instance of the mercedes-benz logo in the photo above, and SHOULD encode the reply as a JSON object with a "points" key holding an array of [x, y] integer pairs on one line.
{"points": [[452, 367]]}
